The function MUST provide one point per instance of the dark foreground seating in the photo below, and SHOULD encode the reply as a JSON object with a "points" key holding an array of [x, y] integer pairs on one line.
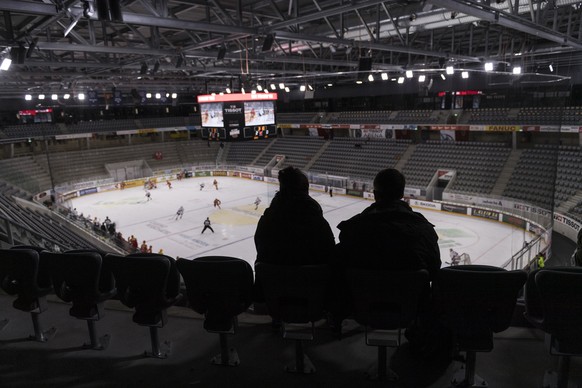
{"points": [[554, 305], [477, 301], [295, 296], [385, 302], [21, 275], [82, 278], [150, 283], [220, 288]]}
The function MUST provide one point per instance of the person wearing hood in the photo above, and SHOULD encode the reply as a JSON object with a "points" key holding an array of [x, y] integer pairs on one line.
{"points": [[292, 230]]}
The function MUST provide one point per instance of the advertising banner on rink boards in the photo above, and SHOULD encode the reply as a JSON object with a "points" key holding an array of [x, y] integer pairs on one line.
{"points": [[484, 213], [425, 204], [503, 128]]}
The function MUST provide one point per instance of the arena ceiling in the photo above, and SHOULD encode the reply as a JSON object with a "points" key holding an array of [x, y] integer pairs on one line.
{"points": [[208, 45]]}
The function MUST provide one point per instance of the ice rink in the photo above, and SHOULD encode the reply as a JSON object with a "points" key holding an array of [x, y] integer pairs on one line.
{"points": [[487, 242]]}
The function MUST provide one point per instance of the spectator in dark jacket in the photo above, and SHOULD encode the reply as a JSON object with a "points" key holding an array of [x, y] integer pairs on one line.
{"points": [[292, 230], [578, 254], [389, 234]]}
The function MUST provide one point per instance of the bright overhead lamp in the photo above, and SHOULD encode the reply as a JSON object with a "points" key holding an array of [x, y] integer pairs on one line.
{"points": [[41, 96], [329, 84], [221, 93], [66, 96], [384, 76], [242, 90], [273, 87], [516, 70], [54, 97], [213, 94], [551, 67], [400, 80], [266, 90], [228, 90], [81, 96], [167, 95], [409, 74], [358, 82], [281, 86], [302, 88], [174, 95], [287, 89], [148, 95], [465, 74], [371, 78], [253, 91], [488, 66], [443, 76], [450, 70], [27, 97], [310, 87], [5, 65], [421, 78], [158, 96], [259, 88]]}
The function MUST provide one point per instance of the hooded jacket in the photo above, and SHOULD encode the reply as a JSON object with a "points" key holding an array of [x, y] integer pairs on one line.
{"points": [[292, 231]]}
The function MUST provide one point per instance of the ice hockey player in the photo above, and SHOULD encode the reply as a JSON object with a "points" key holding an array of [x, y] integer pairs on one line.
{"points": [[207, 225], [180, 212], [257, 202], [217, 203]]}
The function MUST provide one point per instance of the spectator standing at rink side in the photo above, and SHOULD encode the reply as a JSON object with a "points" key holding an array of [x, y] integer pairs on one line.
{"points": [[217, 202], [292, 230], [455, 258], [144, 247], [578, 254], [180, 212], [207, 225], [541, 262], [215, 183]]}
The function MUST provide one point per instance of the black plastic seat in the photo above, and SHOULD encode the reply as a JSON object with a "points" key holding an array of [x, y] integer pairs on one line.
{"points": [[219, 287], [477, 301], [295, 296], [83, 279], [554, 304], [22, 274], [149, 283], [386, 302]]}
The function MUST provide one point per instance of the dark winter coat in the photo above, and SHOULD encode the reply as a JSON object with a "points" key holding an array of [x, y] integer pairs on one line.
{"points": [[389, 235], [292, 231]]}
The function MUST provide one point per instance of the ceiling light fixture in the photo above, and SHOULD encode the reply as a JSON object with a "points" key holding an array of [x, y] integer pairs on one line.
{"points": [[5, 65], [384, 76], [27, 97], [281, 86], [81, 96], [516, 69], [443, 76], [273, 87], [371, 78], [421, 78], [409, 74], [488, 66], [465, 74], [400, 80], [450, 70], [302, 88]]}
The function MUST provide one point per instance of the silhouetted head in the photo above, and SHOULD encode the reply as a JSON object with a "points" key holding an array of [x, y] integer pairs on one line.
{"points": [[292, 180], [389, 185]]}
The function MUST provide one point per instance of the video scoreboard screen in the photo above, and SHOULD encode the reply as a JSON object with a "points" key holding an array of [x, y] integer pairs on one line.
{"points": [[238, 116]]}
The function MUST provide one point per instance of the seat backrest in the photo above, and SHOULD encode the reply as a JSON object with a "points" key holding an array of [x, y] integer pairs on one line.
{"points": [[560, 291], [106, 279], [219, 287], [386, 299], [75, 275], [478, 297], [19, 272], [43, 277], [294, 294], [146, 280]]}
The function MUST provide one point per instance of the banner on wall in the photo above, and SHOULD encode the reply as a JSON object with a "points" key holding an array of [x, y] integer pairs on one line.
{"points": [[484, 213], [447, 135]]}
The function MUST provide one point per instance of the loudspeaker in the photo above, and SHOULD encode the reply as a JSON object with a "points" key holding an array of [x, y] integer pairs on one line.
{"points": [[31, 47], [109, 10], [268, 42], [221, 53], [134, 93], [365, 64], [18, 54], [144, 68]]}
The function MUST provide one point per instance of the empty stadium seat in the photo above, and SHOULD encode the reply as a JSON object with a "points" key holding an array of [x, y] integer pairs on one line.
{"points": [[476, 301], [219, 287], [149, 283]]}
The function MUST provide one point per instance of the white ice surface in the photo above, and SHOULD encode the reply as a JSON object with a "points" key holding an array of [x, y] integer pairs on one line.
{"points": [[487, 242]]}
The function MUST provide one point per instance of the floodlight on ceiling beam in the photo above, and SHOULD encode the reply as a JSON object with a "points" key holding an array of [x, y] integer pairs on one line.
{"points": [[450, 70], [488, 66], [5, 65], [421, 78], [516, 70], [273, 87], [73, 24]]}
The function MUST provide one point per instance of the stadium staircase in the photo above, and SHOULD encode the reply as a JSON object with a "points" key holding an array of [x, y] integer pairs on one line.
{"points": [[263, 152], [569, 204], [506, 173], [404, 157], [317, 155]]}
